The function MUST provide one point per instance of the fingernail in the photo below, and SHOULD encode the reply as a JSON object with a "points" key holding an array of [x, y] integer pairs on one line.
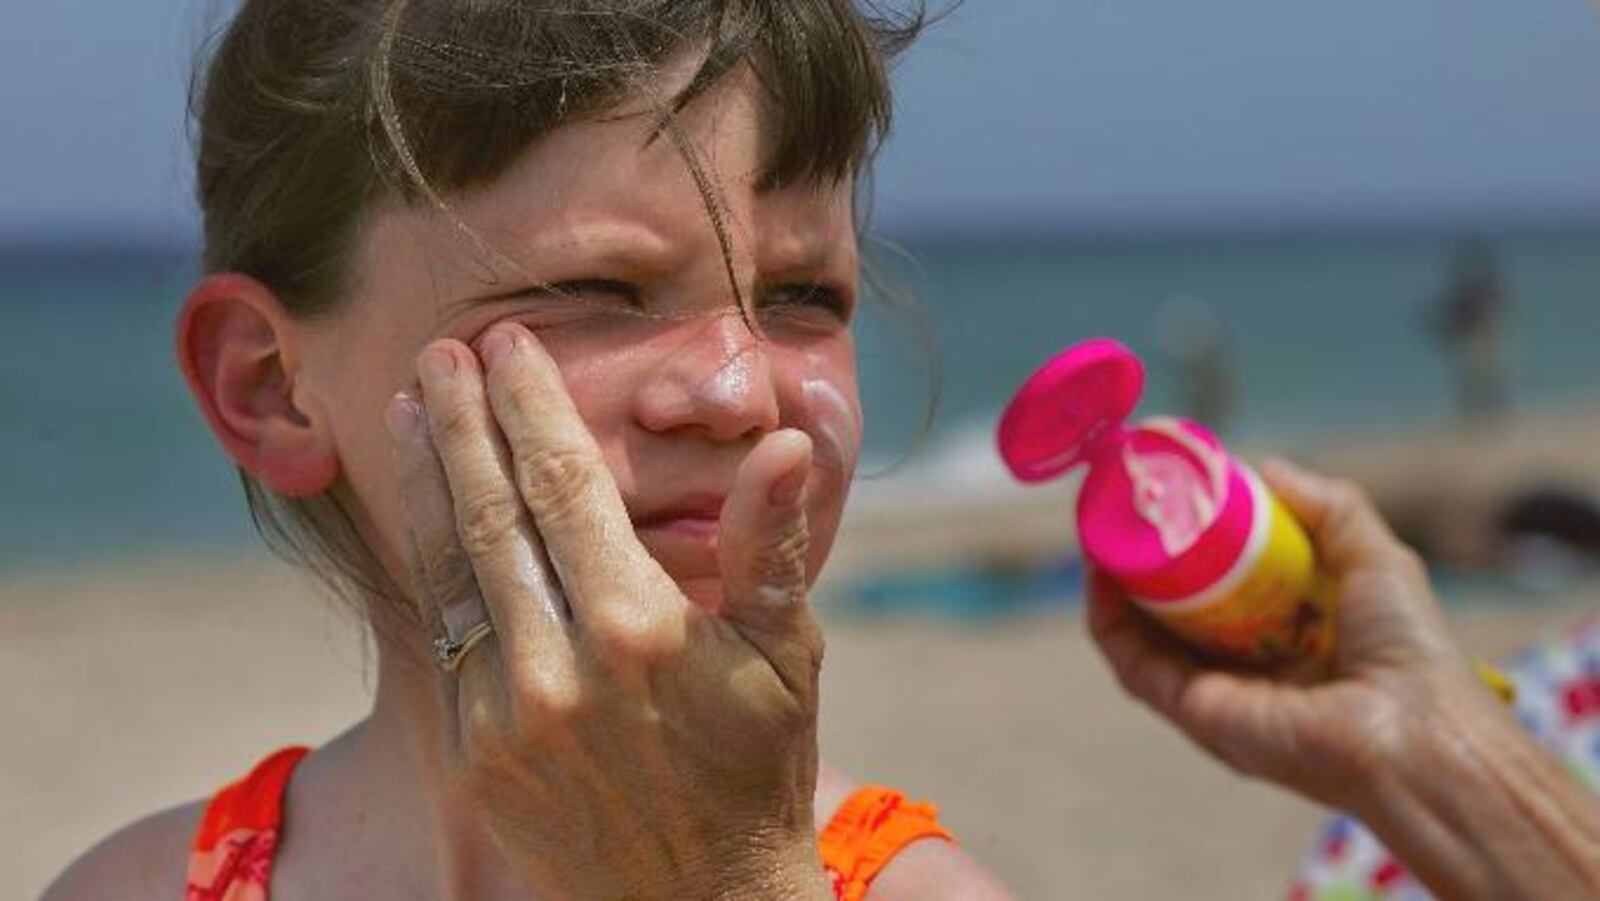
{"points": [[496, 346], [403, 417], [437, 363], [786, 491]]}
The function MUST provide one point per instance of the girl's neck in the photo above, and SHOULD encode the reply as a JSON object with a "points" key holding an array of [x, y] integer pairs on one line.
{"points": [[383, 787]]}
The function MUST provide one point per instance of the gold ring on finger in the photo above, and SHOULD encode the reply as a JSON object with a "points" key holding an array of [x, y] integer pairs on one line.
{"points": [[449, 652]]}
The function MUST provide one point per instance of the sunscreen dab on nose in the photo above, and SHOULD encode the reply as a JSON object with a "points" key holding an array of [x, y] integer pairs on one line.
{"points": [[1190, 533], [730, 384]]}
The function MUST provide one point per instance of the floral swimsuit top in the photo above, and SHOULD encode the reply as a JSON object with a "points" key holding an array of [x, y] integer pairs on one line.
{"points": [[1557, 699], [232, 856]]}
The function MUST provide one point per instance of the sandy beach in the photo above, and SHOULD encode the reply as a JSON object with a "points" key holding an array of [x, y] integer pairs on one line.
{"points": [[132, 686]]}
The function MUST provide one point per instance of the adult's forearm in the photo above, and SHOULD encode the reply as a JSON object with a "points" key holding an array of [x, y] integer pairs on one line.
{"points": [[1476, 809]]}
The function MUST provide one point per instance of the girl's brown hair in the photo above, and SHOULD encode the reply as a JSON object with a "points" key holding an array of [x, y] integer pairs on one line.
{"points": [[310, 112]]}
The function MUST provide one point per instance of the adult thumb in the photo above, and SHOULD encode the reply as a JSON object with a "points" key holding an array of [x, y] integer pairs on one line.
{"points": [[763, 539]]}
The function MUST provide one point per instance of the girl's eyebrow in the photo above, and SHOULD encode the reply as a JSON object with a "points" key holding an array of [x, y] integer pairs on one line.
{"points": [[804, 251], [600, 241]]}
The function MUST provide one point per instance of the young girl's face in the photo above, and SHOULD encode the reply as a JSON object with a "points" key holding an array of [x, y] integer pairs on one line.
{"points": [[664, 369]]}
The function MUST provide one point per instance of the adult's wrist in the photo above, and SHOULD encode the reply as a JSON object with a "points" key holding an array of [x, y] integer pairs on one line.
{"points": [[1474, 808], [744, 864], [791, 870]]}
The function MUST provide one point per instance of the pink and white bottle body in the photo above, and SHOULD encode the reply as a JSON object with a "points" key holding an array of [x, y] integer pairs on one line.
{"points": [[1190, 533]]}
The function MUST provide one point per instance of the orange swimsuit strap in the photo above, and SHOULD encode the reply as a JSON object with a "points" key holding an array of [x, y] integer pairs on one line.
{"points": [[231, 859], [232, 856], [869, 829]]}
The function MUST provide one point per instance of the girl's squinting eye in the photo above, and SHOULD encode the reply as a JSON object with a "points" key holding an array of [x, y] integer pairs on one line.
{"points": [[596, 289], [799, 296]]}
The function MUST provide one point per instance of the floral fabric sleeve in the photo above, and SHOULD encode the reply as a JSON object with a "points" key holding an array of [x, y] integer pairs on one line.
{"points": [[1557, 700]]}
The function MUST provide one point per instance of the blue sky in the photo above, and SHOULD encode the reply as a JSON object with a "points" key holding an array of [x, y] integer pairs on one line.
{"points": [[1074, 114]]}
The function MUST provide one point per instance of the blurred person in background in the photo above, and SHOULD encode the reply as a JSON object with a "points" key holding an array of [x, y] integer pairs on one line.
{"points": [[1191, 334], [1469, 320], [529, 328]]}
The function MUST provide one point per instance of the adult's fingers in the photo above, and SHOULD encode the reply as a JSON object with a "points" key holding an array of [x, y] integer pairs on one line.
{"points": [[762, 541], [444, 587], [1344, 526], [493, 530], [611, 581], [1148, 665], [447, 591], [1387, 610], [1230, 715]]}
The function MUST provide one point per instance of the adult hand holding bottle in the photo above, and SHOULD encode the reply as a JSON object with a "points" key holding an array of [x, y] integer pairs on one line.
{"points": [[1399, 730]]}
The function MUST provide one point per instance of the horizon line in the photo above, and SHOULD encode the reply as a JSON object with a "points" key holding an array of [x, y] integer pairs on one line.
{"points": [[172, 240]]}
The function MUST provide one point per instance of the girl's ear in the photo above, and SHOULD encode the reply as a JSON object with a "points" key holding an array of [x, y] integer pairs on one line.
{"points": [[239, 352]]}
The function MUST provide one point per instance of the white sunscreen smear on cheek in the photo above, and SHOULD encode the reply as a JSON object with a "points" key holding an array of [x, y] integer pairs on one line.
{"points": [[836, 422]]}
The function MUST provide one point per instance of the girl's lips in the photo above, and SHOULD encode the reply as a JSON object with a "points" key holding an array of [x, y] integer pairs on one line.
{"points": [[684, 526], [692, 514]]}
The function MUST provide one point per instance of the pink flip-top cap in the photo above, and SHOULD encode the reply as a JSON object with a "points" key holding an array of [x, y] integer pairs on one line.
{"points": [[1078, 399]]}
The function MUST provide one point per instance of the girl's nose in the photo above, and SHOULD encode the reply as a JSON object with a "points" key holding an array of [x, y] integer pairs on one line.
{"points": [[718, 381]]}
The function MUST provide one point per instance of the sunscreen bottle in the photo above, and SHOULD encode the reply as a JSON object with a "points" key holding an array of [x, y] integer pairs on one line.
{"points": [[1189, 533]]}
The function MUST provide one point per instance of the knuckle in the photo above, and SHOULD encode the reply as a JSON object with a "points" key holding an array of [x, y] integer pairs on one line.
{"points": [[545, 706], [446, 569], [633, 639], [526, 399], [1199, 709], [482, 736], [453, 425], [782, 560], [485, 521], [555, 482]]}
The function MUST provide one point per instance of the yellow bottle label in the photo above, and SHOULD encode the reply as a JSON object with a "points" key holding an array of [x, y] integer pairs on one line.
{"points": [[1268, 609]]}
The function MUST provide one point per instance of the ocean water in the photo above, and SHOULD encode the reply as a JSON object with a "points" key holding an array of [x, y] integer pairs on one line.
{"points": [[102, 452], [1321, 332]]}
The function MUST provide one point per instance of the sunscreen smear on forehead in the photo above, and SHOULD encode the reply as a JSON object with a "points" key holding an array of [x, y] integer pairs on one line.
{"points": [[1189, 532]]}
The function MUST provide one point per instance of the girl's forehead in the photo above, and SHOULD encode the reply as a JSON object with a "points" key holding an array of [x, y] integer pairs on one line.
{"points": [[615, 191], [640, 154]]}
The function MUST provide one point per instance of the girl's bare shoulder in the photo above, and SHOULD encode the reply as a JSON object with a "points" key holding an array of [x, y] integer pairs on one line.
{"points": [[144, 861]]}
